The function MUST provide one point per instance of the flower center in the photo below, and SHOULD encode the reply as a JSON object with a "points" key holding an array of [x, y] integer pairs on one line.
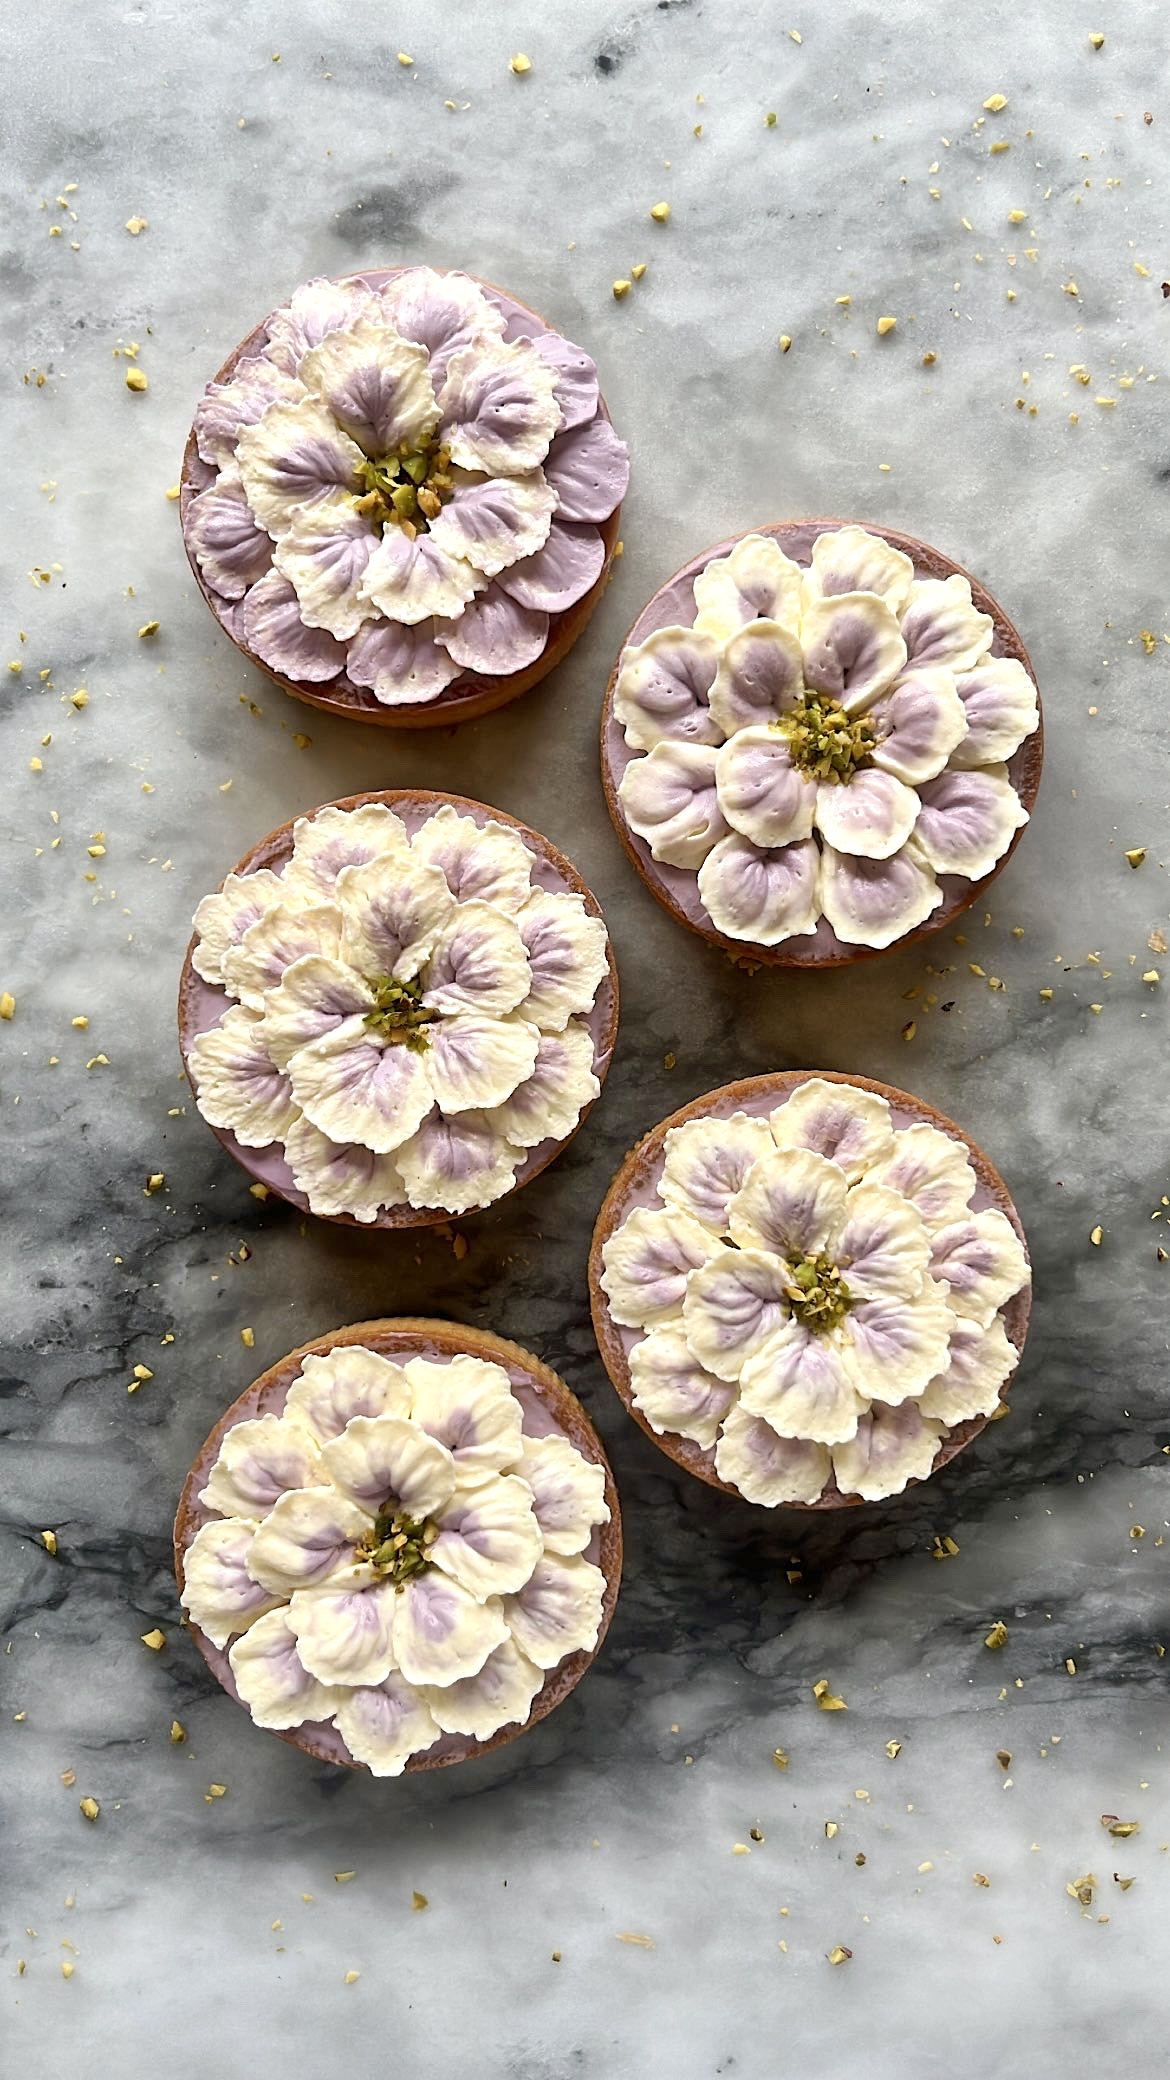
{"points": [[407, 489], [399, 1014], [399, 1546], [825, 742], [817, 1294]]}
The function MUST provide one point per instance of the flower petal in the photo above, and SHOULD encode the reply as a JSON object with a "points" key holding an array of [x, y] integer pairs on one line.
{"points": [[237, 1085], [589, 469], [930, 1169], [669, 799], [883, 1246], [662, 689], [791, 1202], [766, 1467], [764, 897], [548, 1105], [315, 995], [919, 723], [647, 1262], [219, 1595], [495, 634], [870, 816], [383, 1459], [296, 455], [500, 1695], [354, 1089], [983, 1262], [850, 559], [272, 1679], [401, 666], [850, 1126], [999, 701], [344, 1636], [499, 408], [559, 573], [222, 919], [674, 1392], [259, 1461], [334, 838], [968, 820], [283, 936], [467, 1405], [706, 1162], [384, 1724], [567, 950], [496, 522], [475, 1062], [486, 863], [442, 312], [761, 793], [376, 386], [306, 1539], [981, 1359], [872, 902], [941, 625], [853, 648], [334, 1386], [756, 581], [568, 1492], [892, 1447], [478, 964], [759, 677], [558, 1612], [225, 409], [315, 309], [489, 1540], [341, 1176], [394, 908], [897, 1346], [441, 1634], [803, 1385], [457, 1164], [733, 1304], [574, 377], [271, 625], [229, 547], [410, 578], [324, 555]]}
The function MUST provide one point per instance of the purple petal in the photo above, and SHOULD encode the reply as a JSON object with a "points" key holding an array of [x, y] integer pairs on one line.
{"points": [[400, 665], [230, 549], [226, 408], [576, 378], [589, 469], [494, 634], [559, 574], [272, 627]]}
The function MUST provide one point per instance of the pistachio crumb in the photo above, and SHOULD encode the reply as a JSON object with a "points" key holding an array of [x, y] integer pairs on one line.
{"points": [[149, 628], [260, 1191], [1097, 1236], [7, 1004], [893, 1750], [136, 379], [638, 271], [998, 1635], [49, 1541], [520, 64], [826, 1702], [136, 225], [779, 1758], [770, 119], [995, 104], [1151, 976], [156, 1640], [173, 492], [660, 211], [839, 1954], [154, 1183], [1097, 40], [419, 1902], [178, 1733], [621, 288], [785, 342], [89, 1808], [929, 359], [627, 1935], [404, 58], [248, 1339], [1136, 855], [885, 325], [343, 1877], [351, 1978]]}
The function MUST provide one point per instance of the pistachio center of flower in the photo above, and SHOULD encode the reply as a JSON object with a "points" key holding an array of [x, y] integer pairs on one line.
{"points": [[817, 1293], [399, 1546], [407, 489], [399, 1015], [825, 742]]}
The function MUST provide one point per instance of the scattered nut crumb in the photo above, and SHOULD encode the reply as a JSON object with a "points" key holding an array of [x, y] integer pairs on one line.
{"points": [[136, 379]]}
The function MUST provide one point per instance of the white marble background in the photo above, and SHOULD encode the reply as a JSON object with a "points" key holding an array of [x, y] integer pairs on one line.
{"points": [[266, 143]]}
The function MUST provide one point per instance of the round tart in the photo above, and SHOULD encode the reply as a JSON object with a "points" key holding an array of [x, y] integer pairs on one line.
{"points": [[819, 741], [398, 1008], [401, 1546], [810, 1290], [401, 495]]}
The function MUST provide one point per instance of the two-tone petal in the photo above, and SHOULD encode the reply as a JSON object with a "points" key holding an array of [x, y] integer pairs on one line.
{"points": [[400, 665], [296, 455], [982, 1260], [674, 1392], [411, 578], [352, 1088], [467, 1405], [558, 1611], [568, 1492], [999, 701], [480, 862], [226, 409], [314, 310], [394, 909], [663, 687], [441, 312], [850, 559], [851, 1126], [375, 386], [803, 1384], [870, 817], [222, 919], [767, 1468], [457, 1163], [896, 1346], [559, 573], [500, 1694], [853, 648], [671, 800], [755, 581], [647, 1263], [791, 1202], [891, 1447], [324, 554], [567, 948], [284, 936], [259, 1461], [733, 1304], [919, 724], [760, 677], [272, 1679], [767, 897], [872, 902], [968, 820], [384, 1724], [549, 1103], [982, 1359], [496, 522], [478, 964], [499, 408], [219, 1594], [930, 1169], [941, 625], [231, 549], [307, 1538], [442, 1634], [334, 838], [489, 1540], [334, 1386], [706, 1161], [271, 625], [761, 792], [237, 1084], [341, 1176], [388, 1459]]}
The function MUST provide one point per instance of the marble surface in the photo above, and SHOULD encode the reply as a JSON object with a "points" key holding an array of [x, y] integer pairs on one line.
{"points": [[263, 145]]}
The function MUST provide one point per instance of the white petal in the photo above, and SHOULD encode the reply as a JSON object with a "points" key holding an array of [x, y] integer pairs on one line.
{"points": [[548, 1105], [443, 312], [872, 902], [219, 1595], [761, 793], [495, 635], [892, 1446], [401, 666], [766, 1467], [273, 1681], [663, 686], [307, 1538], [981, 1359], [559, 1611], [791, 1202], [334, 1386], [968, 820], [500, 1695], [341, 1176], [441, 1634], [897, 1346], [497, 522], [258, 1461], [850, 559], [314, 997], [759, 677], [334, 838], [475, 1062], [284, 935], [222, 919], [324, 555], [385, 1724], [940, 624], [674, 1392], [803, 1385], [930, 1169], [983, 1262], [669, 799], [394, 909], [411, 579], [763, 897], [499, 407], [376, 386], [344, 1635], [733, 1305], [232, 551], [315, 309], [238, 1087], [850, 1126], [919, 723], [478, 964], [647, 1262], [457, 1164], [568, 1492], [488, 863], [225, 409], [756, 581], [999, 701], [388, 1459], [706, 1162], [271, 624], [567, 950], [354, 1089], [870, 815], [489, 1540], [467, 1405], [296, 455], [883, 1247], [853, 648]]}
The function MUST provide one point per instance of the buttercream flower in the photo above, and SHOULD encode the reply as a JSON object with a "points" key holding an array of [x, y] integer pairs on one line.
{"points": [[409, 1009], [815, 1295], [828, 742], [400, 484], [394, 1553]]}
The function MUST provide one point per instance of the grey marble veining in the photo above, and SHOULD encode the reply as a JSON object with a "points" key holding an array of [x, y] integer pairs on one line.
{"points": [[622, 1812]]}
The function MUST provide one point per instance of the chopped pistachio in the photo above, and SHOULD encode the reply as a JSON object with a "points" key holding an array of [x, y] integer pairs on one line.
{"points": [[520, 64], [149, 628], [885, 325], [929, 359], [638, 271], [831, 1829], [995, 104], [7, 1004], [136, 379], [49, 1541], [826, 1702], [1136, 855], [404, 58], [770, 119], [351, 1978], [620, 288], [89, 1808], [1122, 1829], [1151, 975], [627, 1935], [173, 492], [998, 1635], [248, 1338], [1097, 1236], [1097, 40], [779, 1758], [136, 225], [785, 342], [154, 1183], [979, 1878], [178, 1733], [839, 1955], [155, 1640], [893, 1750], [660, 211]]}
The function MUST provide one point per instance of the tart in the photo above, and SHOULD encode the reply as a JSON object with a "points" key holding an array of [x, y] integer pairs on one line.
{"points": [[811, 1290], [401, 1546], [820, 740], [400, 496], [398, 1008]]}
